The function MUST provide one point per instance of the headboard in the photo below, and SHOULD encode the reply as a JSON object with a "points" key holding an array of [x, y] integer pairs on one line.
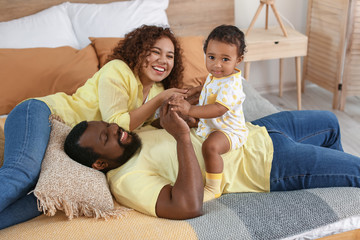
{"points": [[186, 17]]}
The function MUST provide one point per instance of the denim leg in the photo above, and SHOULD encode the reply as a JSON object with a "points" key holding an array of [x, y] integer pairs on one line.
{"points": [[319, 128], [308, 152], [20, 211], [300, 166], [27, 132]]}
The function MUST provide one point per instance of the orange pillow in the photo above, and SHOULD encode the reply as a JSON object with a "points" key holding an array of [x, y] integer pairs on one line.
{"points": [[104, 47], [195, 72], [193, 56], [37, 72]]}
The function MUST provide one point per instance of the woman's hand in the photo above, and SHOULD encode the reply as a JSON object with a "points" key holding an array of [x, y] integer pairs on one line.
{"points": [[176, 92]]}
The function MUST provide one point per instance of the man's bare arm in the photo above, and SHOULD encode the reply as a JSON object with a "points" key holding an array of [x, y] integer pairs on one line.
{"points": [[185, 199]]}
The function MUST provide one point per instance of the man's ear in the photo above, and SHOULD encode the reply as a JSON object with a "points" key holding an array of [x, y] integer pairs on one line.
{"points": [[100, 164]]}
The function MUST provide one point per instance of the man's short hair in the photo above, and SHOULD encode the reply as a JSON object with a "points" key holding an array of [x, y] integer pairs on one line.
{"points": [[82, 155]]}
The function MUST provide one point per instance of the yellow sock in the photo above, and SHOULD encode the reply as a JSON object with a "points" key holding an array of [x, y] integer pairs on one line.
{"points": [[212, 186]]}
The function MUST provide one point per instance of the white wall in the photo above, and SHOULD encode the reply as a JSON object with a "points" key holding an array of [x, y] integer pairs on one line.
{"points": [[264, 75]]}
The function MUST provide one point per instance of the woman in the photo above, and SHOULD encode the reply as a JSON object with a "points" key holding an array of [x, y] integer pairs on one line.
{"points": [[126, 91], [158, 64]]}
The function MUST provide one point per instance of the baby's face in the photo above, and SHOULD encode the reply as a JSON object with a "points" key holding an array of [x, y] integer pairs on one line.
{"points": [[221, 58]]}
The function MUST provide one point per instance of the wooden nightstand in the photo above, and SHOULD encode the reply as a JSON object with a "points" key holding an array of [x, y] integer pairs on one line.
{"points": [[265, 44]]}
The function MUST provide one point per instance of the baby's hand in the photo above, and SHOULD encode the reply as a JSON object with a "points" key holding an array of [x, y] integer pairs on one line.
{"points": [[193, 95], [179, 104], [191, 121]]}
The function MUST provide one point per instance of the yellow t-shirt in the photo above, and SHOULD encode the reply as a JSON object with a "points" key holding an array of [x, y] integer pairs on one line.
{"points": [[137, 183], [109, 95]]}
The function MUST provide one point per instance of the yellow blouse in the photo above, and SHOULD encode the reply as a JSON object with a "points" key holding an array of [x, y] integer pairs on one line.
{"points": [[109, 95]]}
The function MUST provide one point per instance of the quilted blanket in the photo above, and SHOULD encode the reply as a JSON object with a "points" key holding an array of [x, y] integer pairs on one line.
{"points": [[254, 216], [275, 215]]}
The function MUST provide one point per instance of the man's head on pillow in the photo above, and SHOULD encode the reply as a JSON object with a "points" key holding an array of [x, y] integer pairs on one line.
{"points": [[101, 145]]}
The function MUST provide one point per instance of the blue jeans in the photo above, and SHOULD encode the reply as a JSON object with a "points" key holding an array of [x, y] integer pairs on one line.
{"points": [[308, 152], [27, 132]]}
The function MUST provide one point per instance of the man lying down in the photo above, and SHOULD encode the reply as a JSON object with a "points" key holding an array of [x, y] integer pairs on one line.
{"points": [[165, 178]]}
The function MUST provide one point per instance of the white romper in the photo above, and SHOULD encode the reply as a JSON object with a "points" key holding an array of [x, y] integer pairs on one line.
{"points": [[227, 91]]}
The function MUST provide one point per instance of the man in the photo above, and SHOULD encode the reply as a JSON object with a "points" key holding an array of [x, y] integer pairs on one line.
{"points": [[106, 146], [284, 151], [182, 200]]}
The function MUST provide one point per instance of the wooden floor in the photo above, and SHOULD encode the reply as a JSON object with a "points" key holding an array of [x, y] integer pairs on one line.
{"points": [[316, 98]]}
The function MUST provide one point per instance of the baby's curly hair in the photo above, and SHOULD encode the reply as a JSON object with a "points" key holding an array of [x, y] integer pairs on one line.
{"points": [[228, 34], [137, 44]]}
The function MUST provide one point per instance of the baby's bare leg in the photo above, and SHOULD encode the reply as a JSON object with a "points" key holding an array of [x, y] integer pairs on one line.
{"points": [[216, 144]]}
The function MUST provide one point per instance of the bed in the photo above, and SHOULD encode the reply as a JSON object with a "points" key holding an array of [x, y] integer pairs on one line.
{"points": [[64, 57]]}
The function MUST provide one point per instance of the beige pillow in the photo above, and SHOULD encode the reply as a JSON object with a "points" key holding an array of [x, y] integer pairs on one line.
{"points": [[193, 57], [37, 72], [71, 187]]}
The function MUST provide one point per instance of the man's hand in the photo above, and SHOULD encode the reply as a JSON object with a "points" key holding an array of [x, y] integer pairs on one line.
{"points": [[171, 121], [184, 199]]}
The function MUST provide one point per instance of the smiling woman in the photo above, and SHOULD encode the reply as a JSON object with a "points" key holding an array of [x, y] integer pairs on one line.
{"points": [[157, 65], [153, 55]]}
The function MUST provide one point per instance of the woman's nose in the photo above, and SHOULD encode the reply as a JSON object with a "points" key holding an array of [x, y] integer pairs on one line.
{"points": [[162, 58]]}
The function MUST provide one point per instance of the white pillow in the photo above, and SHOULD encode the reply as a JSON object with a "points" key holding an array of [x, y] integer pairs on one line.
{"points": [[115, 19], [48, 28]]}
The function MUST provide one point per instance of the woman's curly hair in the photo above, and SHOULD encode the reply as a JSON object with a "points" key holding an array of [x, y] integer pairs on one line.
{"points": [[136, 46]]}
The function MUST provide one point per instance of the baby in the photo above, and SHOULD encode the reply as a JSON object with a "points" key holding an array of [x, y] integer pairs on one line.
{"points": [[220, 108]]}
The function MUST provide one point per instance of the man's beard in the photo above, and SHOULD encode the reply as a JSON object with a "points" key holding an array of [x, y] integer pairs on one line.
{"points": [[130, 148]]}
